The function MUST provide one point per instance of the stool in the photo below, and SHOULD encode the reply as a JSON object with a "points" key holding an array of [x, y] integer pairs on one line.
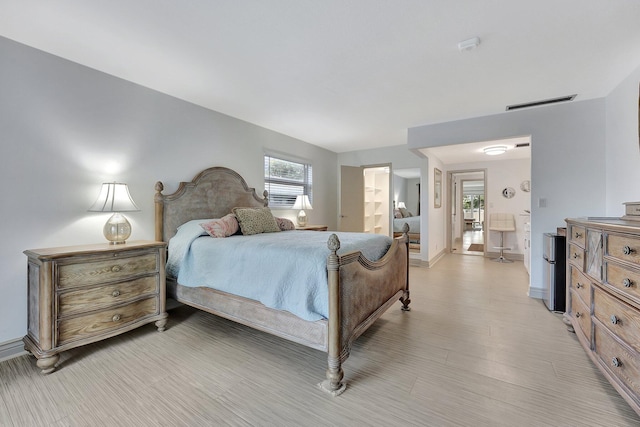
{"points": [[502, 222]]}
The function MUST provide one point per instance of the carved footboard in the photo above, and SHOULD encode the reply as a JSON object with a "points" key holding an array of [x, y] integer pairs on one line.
{"points": [[360, 291]]}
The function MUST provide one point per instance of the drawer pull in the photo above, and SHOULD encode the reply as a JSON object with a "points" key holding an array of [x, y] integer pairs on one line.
{"points": [[115, 293], [627, 283], [116, 268], [578, 314], [577, 235], [575, 255], [616, 362], [614, 319], [116, 318], [627, 250], [578, 285]]}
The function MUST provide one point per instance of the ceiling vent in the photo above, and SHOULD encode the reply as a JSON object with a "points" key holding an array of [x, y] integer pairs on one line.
{"points": [[539, 103], [524, 144]]}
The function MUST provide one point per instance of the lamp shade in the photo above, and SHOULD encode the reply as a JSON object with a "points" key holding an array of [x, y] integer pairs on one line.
{"points": [[114, 197], [401, 205], [302, 202]]}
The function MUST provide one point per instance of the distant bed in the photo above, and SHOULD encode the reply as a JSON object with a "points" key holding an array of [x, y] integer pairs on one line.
{"points": [[358, 290]]}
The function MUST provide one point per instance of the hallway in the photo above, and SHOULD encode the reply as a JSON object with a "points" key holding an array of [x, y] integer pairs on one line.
{"points": [[469, 237]]}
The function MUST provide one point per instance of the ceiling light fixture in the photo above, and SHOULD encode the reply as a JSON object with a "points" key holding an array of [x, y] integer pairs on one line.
{"points": [[495, 150], [468, 44]]}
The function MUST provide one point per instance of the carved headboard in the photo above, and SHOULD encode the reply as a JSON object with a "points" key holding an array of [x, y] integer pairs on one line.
{"points": [[213, 193]]}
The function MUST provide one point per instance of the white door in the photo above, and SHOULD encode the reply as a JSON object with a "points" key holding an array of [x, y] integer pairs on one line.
{"points": [[351, 199]]}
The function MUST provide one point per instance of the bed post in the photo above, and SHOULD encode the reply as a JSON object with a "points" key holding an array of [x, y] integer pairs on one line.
{"points": [[333, 384], [405, 300], [159, 212]]}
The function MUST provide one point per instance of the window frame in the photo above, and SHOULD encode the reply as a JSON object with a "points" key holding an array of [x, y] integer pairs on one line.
{"points": [[271, 181]]}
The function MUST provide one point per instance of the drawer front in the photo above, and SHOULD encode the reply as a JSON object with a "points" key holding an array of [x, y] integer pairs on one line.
{"points": [[82, 300], [621, 319], [581, 285], [95, 271], [624, 248], [624, 279], [576, 256], [582, 315], [104, 321], [577, 234], [620, 361]]}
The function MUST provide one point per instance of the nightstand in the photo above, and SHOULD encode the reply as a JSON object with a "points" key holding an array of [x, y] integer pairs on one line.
{"points": [[81, 294], [313, 227]]}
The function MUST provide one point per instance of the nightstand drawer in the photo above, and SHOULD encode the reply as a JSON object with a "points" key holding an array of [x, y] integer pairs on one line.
{"points": [[96, 323], [82, 300], [94, 271]]}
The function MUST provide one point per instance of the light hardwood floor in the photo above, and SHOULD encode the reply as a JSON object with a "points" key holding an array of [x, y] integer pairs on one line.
{"points": [[461, 245], [474, 351]]}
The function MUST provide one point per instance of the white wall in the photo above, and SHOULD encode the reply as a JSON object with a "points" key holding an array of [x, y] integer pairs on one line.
{"points": [[623, 153], [67, 128], [567, 161]]}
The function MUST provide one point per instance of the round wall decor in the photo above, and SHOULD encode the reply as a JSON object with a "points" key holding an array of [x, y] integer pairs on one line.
{"points": [[508, 192], [525, 186]]}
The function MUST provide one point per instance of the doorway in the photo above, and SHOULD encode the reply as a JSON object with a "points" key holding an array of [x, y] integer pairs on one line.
{"points": [[466, 223], [365, 199]]}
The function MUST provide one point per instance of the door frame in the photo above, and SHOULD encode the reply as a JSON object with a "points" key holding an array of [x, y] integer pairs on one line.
{"points": [[450, 204]]}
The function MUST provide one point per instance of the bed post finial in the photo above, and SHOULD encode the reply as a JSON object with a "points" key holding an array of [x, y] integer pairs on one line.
{"points": [[159, 211], [333, 384], [405, 228], [405, 299], [265, 195]]}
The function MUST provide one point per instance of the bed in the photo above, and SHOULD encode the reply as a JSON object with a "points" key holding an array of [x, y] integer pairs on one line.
{"points": [[414, 227], [358, 290]]}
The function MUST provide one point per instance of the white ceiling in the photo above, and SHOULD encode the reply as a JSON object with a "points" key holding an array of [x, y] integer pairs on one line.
{"points": [[343, 74], [474, 152]]}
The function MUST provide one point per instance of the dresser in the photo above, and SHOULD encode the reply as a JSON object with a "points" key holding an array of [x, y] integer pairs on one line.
{"points": [[81, 294], [603, 298]]}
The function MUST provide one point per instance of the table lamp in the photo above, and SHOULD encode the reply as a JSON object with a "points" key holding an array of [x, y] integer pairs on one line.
{"points": [[115, 197], [302, 203]]}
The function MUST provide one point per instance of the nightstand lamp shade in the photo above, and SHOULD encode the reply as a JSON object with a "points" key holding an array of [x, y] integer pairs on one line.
{"points": [[302, 203], [115, 197]]}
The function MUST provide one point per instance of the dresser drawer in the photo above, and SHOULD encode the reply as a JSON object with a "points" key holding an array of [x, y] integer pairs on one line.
{"points": [[622, 362], [581, 314], [96, 298], [624, 279], [104, 321], [577, 234], [581, 285], [624, 247], [102, 271], [576, 256], [621, 319]]}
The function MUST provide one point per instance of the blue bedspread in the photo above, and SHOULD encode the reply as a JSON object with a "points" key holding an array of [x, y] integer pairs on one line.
{"points": [[284, 271]]}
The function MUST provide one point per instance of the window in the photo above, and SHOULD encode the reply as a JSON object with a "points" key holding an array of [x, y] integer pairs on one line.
{"points": [[284, 180]]}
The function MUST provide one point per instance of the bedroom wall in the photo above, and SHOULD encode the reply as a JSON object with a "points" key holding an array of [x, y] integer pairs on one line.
{"points": [[568, 173], [67, 128], [623, 152]]}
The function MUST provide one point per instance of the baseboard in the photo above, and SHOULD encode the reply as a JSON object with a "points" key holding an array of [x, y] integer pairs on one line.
{"points": [[11, 349], [537, 293]]}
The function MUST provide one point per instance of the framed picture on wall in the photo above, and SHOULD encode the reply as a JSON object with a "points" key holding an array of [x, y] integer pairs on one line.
{"points": [[437, 188]]}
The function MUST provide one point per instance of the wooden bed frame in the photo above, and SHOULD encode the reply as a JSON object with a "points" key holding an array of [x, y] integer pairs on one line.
{"points": [[360, 291]]}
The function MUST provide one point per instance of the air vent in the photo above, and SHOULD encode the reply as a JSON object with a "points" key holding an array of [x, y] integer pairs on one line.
{"points": [[539, 103], [524, 144]]}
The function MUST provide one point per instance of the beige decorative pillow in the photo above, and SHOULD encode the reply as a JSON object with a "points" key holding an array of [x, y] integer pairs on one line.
{"points": [[285, 224], [256, 220]]}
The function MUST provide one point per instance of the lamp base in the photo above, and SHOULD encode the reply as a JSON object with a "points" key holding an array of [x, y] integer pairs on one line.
{"points": [[302, 218], [117, 229]]}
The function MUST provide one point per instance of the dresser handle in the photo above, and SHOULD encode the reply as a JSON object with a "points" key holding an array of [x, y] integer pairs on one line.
{"points": [[627, 250], [575, 255], [616, 362], [115, 293], [116, 268], [578, 235], [578, 285], [627, 283], [578, 314], [116, 318], [614, 319]]}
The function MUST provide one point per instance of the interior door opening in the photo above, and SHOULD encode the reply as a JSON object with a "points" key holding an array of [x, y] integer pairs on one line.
{"points": [[466, 222]]}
